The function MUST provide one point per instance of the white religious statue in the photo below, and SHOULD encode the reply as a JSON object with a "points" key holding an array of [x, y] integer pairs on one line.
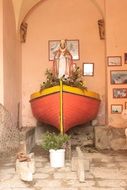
{"points": [[63, 62]]}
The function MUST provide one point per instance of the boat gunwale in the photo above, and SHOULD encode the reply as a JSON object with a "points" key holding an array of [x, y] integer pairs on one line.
{"points": [[89, 94]]}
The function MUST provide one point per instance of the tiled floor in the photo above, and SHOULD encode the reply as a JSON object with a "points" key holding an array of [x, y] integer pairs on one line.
{"points": [[108, 171]]}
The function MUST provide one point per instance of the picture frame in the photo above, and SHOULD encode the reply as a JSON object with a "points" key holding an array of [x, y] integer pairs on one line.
{"points": [[116, 108], [125, 58], [118, 76], [119, 92], [125, 105], [72, 46], [88, 69], [114, 60]]}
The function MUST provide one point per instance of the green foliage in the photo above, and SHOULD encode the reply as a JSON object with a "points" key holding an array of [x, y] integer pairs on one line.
{"points": [[75, 80], [51, 80], [54, 141]]}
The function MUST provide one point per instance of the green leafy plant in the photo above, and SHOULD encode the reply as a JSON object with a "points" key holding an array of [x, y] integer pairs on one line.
{"points": [[54, 141], [75, 80]]}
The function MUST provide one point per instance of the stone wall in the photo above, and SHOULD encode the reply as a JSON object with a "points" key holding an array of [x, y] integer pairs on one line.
{"points": [[80, 136], [110, 138], [9, 134], [89, 137]]}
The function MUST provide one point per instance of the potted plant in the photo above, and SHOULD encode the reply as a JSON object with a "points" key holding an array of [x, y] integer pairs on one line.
{"points": [[55, 144]]}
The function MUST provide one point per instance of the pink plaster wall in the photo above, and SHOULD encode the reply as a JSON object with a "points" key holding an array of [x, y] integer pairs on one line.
{"points": [[53, 20], [116, 45], [12, 80], [1, 52]]}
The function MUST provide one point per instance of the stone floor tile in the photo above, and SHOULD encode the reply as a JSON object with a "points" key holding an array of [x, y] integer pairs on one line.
{"points": [[48, 183], [111, 165], [45, 170], [15, 182], [121, 158], [5, 177], [41, 159], [23, 188], [99, 188], [112, 183], [38, 164], [122, 164], [76, 183], [89, 176], [41, 176], [65, 175], [105, 173], [8, 170], [59, 188]]}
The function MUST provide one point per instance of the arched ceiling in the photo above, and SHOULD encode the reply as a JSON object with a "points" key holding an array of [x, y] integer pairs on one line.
{"points": [[23, 7]]}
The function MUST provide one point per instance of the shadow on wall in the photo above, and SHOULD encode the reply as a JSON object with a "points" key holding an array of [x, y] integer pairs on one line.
{"points": [[9, 134]]}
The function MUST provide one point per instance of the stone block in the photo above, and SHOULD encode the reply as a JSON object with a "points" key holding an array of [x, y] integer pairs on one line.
{"points": [[25, 169], [40, 131], [101, 137], [28, 136], [110, 138]]}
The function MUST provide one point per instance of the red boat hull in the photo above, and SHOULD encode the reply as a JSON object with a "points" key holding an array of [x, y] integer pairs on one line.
{"points": [[77, 109]]}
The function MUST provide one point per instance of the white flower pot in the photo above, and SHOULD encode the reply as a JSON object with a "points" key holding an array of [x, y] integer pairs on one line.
{"points": [[57, 158]]}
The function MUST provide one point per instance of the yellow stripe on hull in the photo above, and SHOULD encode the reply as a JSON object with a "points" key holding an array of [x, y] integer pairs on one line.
{"points": [[66, 88]]}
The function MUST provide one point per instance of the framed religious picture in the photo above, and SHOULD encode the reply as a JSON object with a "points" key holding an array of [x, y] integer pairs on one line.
{"points": [[114, 60], [120, 93], [72, 46], [88, 69], [53, 46], [116, 108], [118, 77]]}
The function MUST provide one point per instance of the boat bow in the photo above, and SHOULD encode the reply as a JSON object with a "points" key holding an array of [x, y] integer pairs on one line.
{"points": [[79, 106]]}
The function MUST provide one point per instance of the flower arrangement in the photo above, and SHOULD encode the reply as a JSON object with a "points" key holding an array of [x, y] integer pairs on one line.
{"points": [[74, 80]]}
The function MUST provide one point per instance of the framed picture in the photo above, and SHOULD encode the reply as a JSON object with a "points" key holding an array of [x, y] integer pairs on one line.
{"points": [[72, 46], [125, 58], [116, 108], [125, 105], [88, 69], [114, 60], [120, 93], [118, 77]]}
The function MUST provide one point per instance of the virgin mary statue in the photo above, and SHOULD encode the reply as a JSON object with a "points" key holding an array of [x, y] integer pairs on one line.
{"points": [[63, 62]]}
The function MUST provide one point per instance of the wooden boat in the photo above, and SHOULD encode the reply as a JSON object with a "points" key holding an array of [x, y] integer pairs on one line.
{"points": [[78, 106]]}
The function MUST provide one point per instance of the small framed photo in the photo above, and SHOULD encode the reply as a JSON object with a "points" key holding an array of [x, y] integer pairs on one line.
{"points": [[125, 105], [88, 69], [114, 60], [118, 77], [125, 58], [116, 108], [72, 46], [120, 93]]}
